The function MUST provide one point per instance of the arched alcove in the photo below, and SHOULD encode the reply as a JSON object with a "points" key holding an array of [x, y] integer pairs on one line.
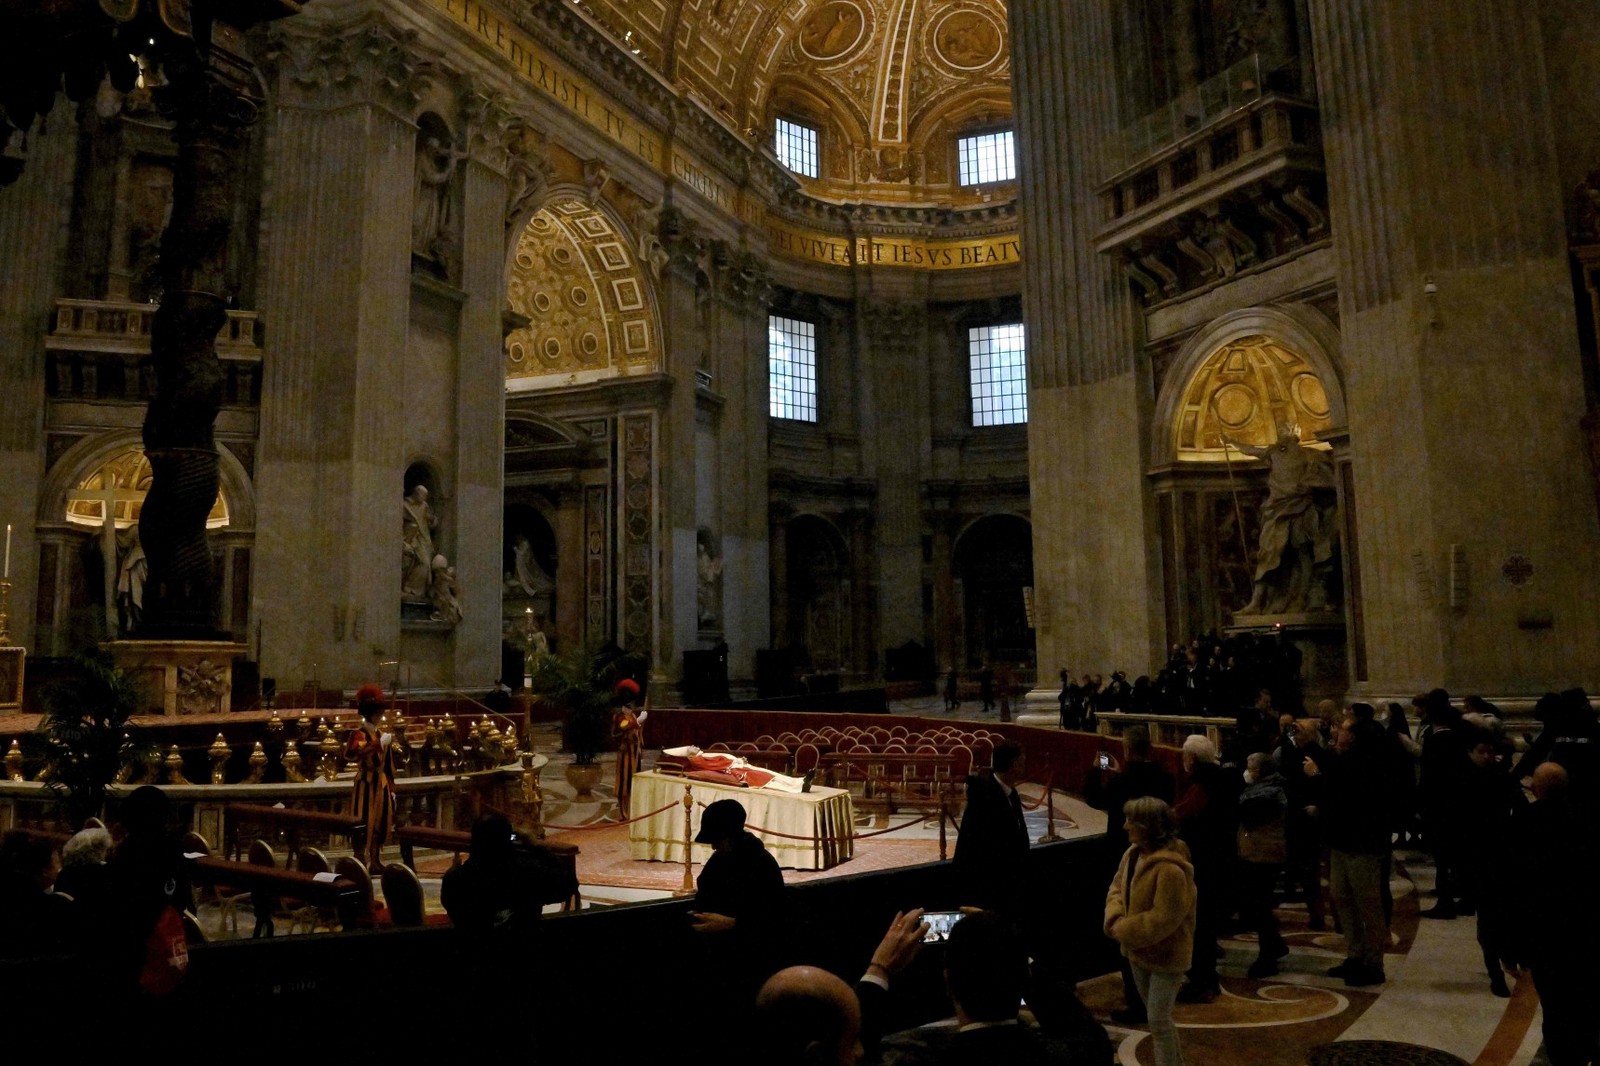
{"points": [[819, 593], [588, 302], [90, 565], [993, 563], [1243, 377], [1243, 374]]}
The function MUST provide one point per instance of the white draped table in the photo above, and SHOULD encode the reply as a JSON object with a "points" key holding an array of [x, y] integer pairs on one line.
{"points": [[824, 818]]}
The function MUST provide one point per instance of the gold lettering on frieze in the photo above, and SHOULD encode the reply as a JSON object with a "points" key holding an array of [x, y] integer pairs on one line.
{"points": [[701, 180], [566, 87], [979, 254]]}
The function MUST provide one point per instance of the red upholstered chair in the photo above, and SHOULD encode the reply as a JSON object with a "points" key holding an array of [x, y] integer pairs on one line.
{"points": [[900, 732], [806, 757], [788, 738], [403, 893], [719, 746], [879, 734], [962, 766], [765, 740], [982, 752], [806, 735], [747, 746], [894, 749]]}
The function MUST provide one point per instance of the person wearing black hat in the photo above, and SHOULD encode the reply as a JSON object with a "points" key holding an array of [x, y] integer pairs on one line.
{"points": [[739, 909], [741, 887]]}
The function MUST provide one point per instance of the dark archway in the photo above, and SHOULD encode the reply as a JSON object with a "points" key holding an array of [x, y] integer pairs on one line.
{"points": [[819, 594], [993, 564]]}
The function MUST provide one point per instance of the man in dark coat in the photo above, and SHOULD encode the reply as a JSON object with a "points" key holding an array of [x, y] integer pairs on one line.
{"points": [[992, 845]]}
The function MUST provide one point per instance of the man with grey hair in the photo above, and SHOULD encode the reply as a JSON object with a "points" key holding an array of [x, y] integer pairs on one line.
{"points": [[83, 866]]}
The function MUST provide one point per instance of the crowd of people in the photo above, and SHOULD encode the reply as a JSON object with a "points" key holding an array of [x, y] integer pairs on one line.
{"points": [[1300, 803], [1211, 675], [1331, 796], [120, 906]]}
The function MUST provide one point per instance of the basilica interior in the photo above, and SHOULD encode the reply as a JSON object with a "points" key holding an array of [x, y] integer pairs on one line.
{"points": [[801, 349]]}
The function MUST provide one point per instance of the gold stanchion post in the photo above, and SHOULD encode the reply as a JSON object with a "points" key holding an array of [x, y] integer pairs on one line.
{"points": [[944, 809], [687, 889], [1050, 833]]}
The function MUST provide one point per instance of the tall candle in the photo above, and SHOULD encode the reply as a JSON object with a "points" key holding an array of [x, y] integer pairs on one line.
{"points": [[8, 550]]}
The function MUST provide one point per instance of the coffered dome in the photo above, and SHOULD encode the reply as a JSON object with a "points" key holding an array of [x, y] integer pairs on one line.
{"points": [[889, 84]]}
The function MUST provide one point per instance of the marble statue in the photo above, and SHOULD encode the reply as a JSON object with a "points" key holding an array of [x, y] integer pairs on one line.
{"points": [[708, 584], [418, 526], [430, 206], [132, 567], [1298, 528], [527, 577], [442, 592]]}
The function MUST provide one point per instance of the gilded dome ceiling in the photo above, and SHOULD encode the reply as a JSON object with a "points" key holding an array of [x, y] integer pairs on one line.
{"points": [[890, 84]]}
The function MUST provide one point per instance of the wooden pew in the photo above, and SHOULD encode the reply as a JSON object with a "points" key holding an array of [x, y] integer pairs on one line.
{"points": [[269, 884], [289, 819], [563, 856]]}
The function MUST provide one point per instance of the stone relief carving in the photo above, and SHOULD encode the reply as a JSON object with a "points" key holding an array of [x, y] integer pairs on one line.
{"points": [[528, 175], [201, 687], [370, 60]]}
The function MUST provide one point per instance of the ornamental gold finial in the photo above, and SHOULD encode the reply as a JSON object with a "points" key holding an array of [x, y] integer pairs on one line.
{"points": [[258, 764], [13, 761], [174, 763], [291, 764], [219, 752]]}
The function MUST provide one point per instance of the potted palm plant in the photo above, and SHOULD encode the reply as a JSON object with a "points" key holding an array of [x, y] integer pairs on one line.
{"points": [[85, 736], [579, 684]]}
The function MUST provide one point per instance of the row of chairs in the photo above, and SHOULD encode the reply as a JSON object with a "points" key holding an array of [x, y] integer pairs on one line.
{"points": [[403, 905]]}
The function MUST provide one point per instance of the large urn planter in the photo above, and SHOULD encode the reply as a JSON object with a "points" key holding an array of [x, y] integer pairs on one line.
{"points": [[583, 777]]}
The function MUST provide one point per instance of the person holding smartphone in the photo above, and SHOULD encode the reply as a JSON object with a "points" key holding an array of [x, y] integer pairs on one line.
{"points": [[372, 750]]}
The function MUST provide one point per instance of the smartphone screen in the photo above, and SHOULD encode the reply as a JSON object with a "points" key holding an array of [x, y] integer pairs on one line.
{"points": [[939, 925]]}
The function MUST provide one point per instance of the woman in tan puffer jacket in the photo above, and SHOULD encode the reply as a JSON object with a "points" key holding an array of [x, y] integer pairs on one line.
{"points": [[1150, 911]]}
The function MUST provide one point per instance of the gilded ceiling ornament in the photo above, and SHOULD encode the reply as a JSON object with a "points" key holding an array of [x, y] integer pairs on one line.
{"points": [[833, 30], [968, 39]]}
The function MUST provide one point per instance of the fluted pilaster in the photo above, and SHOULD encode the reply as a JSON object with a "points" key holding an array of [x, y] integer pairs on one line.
{"points": [[1463, 381]]}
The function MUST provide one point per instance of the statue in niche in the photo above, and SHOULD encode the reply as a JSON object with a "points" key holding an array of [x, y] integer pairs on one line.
{"points": [[132, 567], [527, 577], [708, 581], [1295, 555], [431, 218], [442, 592], [417, 528]]}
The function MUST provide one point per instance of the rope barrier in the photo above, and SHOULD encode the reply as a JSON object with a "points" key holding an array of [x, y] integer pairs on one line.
{"points": [[1036, 804], [610, 825], [832, 836]]}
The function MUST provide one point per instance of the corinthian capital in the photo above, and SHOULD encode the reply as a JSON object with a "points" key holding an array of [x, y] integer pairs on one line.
{"points": [[366, 62]]}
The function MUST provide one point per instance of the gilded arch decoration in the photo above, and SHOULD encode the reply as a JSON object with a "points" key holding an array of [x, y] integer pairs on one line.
{"points": [[587, 301]]}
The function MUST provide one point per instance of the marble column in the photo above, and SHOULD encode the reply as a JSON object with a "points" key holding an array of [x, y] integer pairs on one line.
{"points": [[741, 381], [1096, 555], [1463, 379], [893, 399], [480, 402], [335, 294], [31, 213]]}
